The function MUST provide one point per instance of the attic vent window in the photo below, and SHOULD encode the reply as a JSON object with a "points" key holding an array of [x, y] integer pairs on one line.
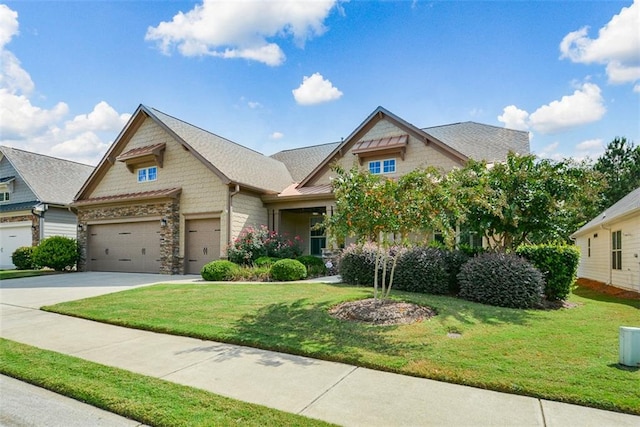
{"points": [[381, 147], [6, 184], [150, 155]]}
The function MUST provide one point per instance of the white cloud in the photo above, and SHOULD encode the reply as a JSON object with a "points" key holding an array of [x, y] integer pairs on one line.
{"points": [[315, 90], [582, 107], [240, 29], [276, 135], [254, 104], [617, 46], [41, 130], [591, 148]]}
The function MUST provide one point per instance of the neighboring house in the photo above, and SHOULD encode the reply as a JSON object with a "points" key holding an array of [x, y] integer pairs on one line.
{"points": [[169, 197], [36, 192], [610, 244]]}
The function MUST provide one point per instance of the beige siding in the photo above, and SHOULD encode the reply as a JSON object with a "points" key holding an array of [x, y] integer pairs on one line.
{"points": [[248, 210], [418, 155], [202, 191], [598, 266]]}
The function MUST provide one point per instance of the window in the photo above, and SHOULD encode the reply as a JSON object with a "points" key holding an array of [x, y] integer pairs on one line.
{"points": [[616, 250], [377, 167], [148, 174], [589, 247], [4, 197], [317, 238]]}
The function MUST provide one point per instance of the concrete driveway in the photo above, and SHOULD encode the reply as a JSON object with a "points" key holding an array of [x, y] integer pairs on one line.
{"points": [[57, 288]]}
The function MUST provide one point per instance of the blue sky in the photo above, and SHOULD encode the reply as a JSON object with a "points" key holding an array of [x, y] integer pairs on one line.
{"points": [[279, 75]]}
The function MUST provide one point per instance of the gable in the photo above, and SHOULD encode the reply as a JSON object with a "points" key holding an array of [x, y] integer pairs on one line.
{"points": [[385, 138], [18, 189]]}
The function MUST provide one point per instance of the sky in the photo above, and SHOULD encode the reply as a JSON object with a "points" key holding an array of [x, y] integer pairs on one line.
{"points": [[276, 75]]}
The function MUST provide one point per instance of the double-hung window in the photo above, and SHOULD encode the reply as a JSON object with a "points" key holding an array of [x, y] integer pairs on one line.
{"points": [[148, 174], [5, 197], [377, 167], [616, 250]]}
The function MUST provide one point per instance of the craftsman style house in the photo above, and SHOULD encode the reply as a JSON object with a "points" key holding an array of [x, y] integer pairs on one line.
{"points": [[169, 197], [36, 192]]}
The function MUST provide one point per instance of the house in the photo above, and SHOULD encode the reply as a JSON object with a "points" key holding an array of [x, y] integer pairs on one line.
{"points": [[610, 245], [36, 192], [169, 197]]}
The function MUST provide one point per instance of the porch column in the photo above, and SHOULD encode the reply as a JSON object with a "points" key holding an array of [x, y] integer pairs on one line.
{"points": [[275, 220]]}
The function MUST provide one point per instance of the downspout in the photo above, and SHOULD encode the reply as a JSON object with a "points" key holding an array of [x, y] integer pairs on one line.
{"points": [[230, 212]]}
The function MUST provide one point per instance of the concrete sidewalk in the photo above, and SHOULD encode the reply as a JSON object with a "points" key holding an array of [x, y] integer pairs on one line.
{"points": [[335, 392]]}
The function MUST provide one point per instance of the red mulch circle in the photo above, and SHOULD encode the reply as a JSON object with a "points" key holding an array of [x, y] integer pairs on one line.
{"points": [[381, 312]]}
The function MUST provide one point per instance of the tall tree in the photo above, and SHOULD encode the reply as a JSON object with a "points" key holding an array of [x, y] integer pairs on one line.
{"points": [[620, 165]]}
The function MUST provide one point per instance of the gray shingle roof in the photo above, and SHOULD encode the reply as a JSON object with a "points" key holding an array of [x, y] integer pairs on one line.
{"points": [[481, 142], [52, 180], [301, 161], [239, 164], [628, 204]]}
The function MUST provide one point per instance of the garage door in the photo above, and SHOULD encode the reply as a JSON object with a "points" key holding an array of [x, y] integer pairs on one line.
{"points": [[13, 236], [203, 243], [129, 247]]}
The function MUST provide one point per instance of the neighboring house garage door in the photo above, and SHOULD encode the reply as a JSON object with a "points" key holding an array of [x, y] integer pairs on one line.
{"points": [[129, 247], [203, 243], [12, 236]]}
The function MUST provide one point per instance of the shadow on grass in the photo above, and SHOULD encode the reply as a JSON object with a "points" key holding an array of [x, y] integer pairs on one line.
{"points": [[302, 328], [620, 367], [598, 296]]}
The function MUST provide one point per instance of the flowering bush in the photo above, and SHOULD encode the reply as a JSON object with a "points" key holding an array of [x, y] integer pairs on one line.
{"points": [[253, 243]]}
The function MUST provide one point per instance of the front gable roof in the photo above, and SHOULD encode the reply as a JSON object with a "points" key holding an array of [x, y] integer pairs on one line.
{"points": [[628, 205], [376, 116], [231, 162], [51, 180]]}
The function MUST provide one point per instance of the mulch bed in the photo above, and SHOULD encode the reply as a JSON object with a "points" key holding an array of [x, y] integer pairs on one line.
{"points": [[381, 312], [607, 289]]}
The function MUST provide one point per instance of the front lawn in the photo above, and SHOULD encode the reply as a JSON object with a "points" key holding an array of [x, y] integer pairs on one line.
{"points": [[15, 274], [567, 355]]}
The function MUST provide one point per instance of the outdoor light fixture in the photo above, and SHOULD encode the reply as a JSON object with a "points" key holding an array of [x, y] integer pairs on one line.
{"points": [[80, 227], [163, 222]]}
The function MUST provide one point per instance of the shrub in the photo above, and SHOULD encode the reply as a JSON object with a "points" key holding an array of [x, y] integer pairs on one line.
{"points": [[454, 261], [315, 266], [422, 269], [505, 280], [220, 270], [558, 265], [250, 274], [265, 261], [253, 243], [286, 270], [356, 264], [22, 258], [57, 252]]}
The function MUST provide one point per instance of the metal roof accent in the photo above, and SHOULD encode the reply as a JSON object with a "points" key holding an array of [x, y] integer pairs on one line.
{"points": [[143, 195], [388, 145], [150, 153], [22, 206]]}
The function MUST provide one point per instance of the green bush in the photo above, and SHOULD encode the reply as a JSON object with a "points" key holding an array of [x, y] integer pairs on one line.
{"points": [[422, 269], [500, 279], [57, 252], [286, 270], [558, 265], [220, 270], [22, 258], [265, 261], [315, 265], [245, 273]]}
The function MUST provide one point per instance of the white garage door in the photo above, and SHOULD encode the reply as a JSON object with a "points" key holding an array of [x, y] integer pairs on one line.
{"points": [[12, 236], [132, 247]]}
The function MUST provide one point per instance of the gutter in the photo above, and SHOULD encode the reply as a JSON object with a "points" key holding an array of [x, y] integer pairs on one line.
{"points": [[230, 211]]}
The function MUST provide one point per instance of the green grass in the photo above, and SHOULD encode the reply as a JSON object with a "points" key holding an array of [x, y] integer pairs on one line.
{"points": [[148, 400], [566, 355], [14, 274]]}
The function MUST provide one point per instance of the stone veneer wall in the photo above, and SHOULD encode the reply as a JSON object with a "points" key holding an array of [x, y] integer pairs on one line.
{"points": [[170, 260], [35, 225]]}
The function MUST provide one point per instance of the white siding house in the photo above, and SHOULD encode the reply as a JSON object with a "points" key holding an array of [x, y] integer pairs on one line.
{"points": [[610, 245]]}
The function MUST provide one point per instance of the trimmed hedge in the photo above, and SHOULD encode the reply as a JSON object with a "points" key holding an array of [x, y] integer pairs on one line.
{"points": [[500, 279], [315, 265], [357, 264], [454, 261], [22, 258], [57, 252], [265, 261], [220, 270], [422, 269], [558, 265], [286, 270]]}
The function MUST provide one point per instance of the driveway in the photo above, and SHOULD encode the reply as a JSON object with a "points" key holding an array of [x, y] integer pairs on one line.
{"points": [[35, 292]]}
